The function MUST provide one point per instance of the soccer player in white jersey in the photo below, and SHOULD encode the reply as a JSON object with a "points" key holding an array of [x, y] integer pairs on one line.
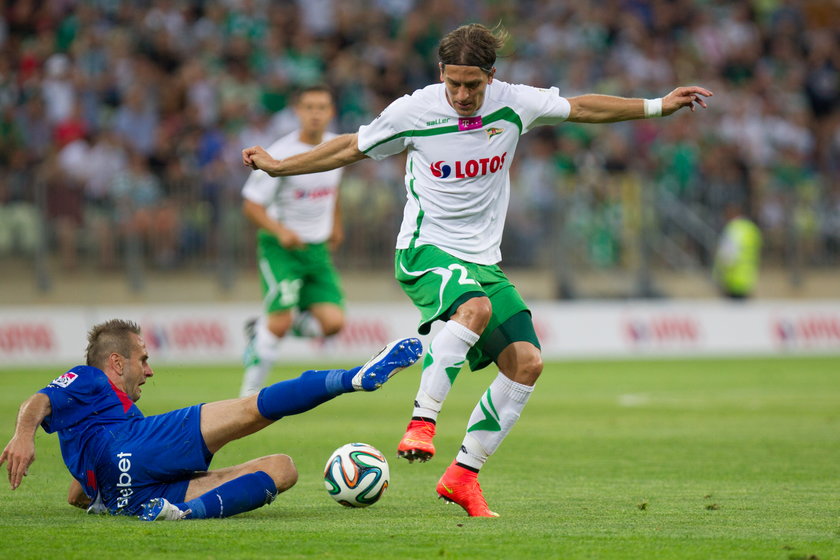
{"points": [[300, 223], [460, 136]]}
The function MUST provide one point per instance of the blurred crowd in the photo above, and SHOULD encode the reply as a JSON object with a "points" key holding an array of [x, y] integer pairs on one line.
{"points": [[121, 122]]}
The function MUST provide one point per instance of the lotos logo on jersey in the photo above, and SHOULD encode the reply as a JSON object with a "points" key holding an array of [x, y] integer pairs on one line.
{"points": [[65, 379], [312, 194], [469, 168], [440, 170]]}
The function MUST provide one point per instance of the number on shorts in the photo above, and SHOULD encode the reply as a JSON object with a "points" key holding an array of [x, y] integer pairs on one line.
{"points": [[464, 280]]}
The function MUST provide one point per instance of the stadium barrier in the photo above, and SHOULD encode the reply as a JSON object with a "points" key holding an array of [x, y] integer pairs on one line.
{"points": [[205, 334]]}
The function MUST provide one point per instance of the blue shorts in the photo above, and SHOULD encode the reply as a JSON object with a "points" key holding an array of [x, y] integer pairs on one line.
{"points": [[153, 457]]}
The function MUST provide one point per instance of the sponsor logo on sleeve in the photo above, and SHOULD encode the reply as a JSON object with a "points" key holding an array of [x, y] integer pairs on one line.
{"points": [[64, 379]]}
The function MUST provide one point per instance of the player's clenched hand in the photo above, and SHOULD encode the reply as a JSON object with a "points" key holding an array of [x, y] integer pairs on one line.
{"points": [[335, 239], [684, 97], [256, 158], [18, 455], [288, 238]]}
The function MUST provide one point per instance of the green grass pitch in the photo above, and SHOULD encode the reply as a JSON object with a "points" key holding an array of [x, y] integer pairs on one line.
{"points": [[665, 459]]}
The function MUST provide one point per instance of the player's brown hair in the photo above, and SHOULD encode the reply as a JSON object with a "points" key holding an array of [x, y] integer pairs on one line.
{"points": [[108, 337], [314, 88], [472, 45]]}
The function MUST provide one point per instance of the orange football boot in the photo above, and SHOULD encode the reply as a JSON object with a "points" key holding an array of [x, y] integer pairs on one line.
{"points": [[417, 441], [460, 486]]}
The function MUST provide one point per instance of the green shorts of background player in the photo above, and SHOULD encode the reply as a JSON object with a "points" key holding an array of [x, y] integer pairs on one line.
{"points": [[301, 294], [485, 321]]}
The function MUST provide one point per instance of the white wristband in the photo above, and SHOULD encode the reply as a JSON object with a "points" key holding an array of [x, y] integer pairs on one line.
{"points": [[653, 107]]}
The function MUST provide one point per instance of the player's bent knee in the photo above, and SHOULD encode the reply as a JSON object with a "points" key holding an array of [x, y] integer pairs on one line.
{"points": [[536, 366], [481, 307], [530, 368], [332, 326], [282, 470], [279, 323], [278, 331], [475, 313]]}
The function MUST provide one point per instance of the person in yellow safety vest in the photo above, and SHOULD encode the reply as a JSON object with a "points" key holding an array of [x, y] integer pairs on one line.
{"points": [[738, 255]]}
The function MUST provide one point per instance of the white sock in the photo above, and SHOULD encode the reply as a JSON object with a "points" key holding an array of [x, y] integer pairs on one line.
{"points": [[492, 419], [444, 358], [305, 324], [267, 347]]}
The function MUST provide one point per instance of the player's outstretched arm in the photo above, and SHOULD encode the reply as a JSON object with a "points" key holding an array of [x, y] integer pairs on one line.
{"points": [[332, 154], [596, 108], [20, 451]]}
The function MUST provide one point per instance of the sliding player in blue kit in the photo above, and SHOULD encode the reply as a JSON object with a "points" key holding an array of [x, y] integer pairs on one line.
{"points": [[156, 467]]}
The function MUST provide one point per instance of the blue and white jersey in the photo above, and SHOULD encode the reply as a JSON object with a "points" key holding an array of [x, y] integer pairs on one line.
{"points": [[85, 403]]}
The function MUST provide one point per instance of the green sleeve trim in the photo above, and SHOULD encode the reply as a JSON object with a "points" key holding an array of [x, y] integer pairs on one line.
{"points": [[503, 114]]}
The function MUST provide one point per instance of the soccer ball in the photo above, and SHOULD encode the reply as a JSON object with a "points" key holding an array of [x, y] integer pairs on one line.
{"points": [[356, 475]]}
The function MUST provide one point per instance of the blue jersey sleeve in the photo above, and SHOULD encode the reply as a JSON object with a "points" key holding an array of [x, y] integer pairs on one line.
{"points": [[74, 396]]}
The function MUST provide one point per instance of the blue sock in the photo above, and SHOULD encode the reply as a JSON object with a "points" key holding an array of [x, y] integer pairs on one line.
{"points": [[239, 495], [303, 393]]}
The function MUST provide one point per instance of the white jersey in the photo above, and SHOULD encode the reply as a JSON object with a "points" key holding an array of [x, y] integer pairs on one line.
{"points": [[303, 203], [457, 171]]}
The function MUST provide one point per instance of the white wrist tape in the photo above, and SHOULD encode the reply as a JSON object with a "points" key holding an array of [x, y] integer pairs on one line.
{"points": [[653, 107]]}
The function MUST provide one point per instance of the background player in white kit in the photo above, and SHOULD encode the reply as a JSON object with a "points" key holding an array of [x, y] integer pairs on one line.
{"points": [[460, 137], [300, 223]]}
